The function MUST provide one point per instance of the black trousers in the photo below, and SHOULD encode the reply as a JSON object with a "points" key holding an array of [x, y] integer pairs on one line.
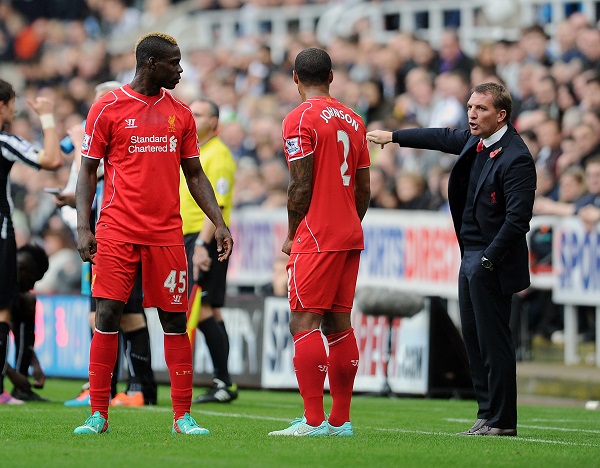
{"points": [[485, 317]]}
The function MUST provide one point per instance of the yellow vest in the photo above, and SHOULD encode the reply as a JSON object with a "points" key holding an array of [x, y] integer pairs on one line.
{"points": [[219, 166]]}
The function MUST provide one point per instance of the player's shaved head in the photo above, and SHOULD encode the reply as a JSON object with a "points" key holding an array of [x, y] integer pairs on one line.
{"points": [[155, 44], [313, 67]]}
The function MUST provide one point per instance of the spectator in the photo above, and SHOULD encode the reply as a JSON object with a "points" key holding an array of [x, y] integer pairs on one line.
{"points": [[424, 56], [411, 189], [587, 143], [545, 94], [382, 195], [548, 137], [572, 191], [452, 57], [566, 37], [530, 139], [508, 58], [591, 98], [117, 19], [64, 271], [534, 42], [587, 43], [278, 286], [546, 184]]}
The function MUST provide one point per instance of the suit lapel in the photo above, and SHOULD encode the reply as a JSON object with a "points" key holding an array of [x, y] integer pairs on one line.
{"points": [[501, 146]]}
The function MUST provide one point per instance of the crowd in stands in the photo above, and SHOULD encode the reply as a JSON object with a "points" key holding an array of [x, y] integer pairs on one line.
{"points": [[60, 48]]}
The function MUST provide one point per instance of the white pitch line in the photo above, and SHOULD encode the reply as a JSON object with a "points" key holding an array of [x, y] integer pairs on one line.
{"points": [[555, 421], [544, 428], [212, 413], [514, 439], [403, 431]]}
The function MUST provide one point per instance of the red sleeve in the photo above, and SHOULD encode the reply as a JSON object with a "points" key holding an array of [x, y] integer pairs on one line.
{"points": [[96, 135], [364, 159], [298, 135], [190, 146]]}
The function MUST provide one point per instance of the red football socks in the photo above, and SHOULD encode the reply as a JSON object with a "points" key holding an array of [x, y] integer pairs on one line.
{"points": [[343, 365], [103, 355], [310, 364], [178, 356]]}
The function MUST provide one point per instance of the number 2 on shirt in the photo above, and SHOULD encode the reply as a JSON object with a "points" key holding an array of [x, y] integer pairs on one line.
{"points": [[342, 136]]}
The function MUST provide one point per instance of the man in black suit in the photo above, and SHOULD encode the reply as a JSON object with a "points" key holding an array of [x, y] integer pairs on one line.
{"points": [[491, 191]]}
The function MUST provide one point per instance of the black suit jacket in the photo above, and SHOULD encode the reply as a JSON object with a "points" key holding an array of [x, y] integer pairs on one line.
{"points": [[503, 198]]}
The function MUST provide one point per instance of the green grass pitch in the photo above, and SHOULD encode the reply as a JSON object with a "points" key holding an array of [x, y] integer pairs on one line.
{"points": [[395, 432]]}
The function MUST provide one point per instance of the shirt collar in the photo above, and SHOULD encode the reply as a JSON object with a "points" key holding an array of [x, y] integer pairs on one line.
{"points": [[495, 137]]}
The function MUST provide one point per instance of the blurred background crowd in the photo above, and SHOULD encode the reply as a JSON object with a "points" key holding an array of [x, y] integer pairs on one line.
{"points": [[62, 49]]}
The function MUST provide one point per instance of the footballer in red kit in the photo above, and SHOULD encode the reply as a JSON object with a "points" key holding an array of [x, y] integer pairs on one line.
{"points": [[335, 137], [144, 136], [328, 195], [142, 139]]}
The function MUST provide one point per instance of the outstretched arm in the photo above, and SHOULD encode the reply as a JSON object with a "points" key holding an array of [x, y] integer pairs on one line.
{"points": [[446, 140], [380, 137]]}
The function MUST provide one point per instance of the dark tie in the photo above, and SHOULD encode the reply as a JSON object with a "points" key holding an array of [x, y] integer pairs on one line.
{"points": [[480, 146]]}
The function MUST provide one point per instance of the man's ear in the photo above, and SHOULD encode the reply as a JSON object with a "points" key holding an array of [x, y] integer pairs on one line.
{"points": [[295, 76]]}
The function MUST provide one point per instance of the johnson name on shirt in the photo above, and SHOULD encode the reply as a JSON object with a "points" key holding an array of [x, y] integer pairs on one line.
{"points": [[329, 112]]}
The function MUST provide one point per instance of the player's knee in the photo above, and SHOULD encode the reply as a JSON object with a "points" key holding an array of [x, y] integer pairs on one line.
{"points": [[172, 322], [335, 322], [108, 315], [303, 321]]}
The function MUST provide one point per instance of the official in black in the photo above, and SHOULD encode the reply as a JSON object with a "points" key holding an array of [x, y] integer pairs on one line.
{"points": [[491, 191]]}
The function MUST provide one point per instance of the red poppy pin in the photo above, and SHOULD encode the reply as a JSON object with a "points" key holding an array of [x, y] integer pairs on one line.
{"points": [[495, 153]]}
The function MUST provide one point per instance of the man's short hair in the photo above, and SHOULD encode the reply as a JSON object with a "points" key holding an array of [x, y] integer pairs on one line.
{"points": [[155, 44], [593, 159], [39, 258], [214, 108], [500, 96], [313, 66], [7, 92]]}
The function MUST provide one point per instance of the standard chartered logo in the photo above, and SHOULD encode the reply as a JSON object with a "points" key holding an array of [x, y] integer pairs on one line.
{"points": [[152, 144]]}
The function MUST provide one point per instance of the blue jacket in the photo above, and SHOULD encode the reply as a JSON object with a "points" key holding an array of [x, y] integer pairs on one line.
{"points": [[503, 199]]}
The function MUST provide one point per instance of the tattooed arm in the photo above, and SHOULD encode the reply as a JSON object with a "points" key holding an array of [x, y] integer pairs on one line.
{"points": [[362, 191], [299, 197]]}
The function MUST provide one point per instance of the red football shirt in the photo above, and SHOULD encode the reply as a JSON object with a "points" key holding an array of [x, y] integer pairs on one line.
{"points": [[142, 140], [335, 135]]}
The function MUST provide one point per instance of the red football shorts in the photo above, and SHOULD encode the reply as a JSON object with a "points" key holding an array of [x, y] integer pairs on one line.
{"points": [[322, 282], [164, 273]]}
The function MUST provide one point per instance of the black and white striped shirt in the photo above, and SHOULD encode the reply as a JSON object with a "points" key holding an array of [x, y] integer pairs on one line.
{"points": [[12, 149]]}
